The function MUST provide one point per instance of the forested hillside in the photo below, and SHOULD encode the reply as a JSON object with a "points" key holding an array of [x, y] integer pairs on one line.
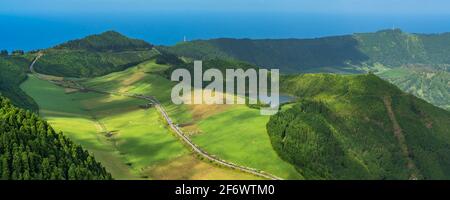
{"points": [[12, 73], [396, 48], [377, 52], [392, 48], [107, 41], [213, 63], [31, 149], [94, 55], [290, 55], [360, 127], [424, 82]]}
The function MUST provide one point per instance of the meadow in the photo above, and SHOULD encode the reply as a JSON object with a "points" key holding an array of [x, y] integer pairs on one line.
{"points": [[132, 143], [212, 127], [239, 134]]}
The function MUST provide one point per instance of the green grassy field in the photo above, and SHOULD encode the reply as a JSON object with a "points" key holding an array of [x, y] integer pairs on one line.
{"points": [[239, 135], [138, 140], [132, 143], [249, 147], [143, 79]]}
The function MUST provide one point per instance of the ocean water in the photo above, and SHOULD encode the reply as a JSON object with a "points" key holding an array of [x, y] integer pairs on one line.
{"points": [[42, 31]]}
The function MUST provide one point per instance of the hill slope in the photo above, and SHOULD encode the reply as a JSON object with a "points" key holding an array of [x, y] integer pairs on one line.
{"points": [[107, 41], [392, 48], [94, 55], [211, 127], [358, 53], [431, 85], [13, 72], [31, 149], [290, 55], [360, 127]]}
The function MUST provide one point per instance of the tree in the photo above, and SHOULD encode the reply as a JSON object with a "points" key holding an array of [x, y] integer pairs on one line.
{"points": [[5, 169], [31, 150], [4, 52], [72, 174], [18, 52]]}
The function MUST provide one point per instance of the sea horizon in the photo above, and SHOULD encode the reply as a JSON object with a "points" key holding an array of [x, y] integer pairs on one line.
{"points": [[37, 31]]}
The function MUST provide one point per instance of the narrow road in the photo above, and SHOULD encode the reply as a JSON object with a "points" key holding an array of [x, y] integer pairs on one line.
{"points": [[194, 147], [173, 126], [186, 139], [34, 61]]}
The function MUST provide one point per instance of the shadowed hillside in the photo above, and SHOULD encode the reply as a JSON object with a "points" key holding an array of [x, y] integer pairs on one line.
{"points": [[13, 72], [392, 48], [378, 52], [94, 55], [290, 55]]}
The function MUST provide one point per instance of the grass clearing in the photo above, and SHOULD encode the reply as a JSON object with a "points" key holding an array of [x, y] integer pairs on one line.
{"points": [[239, 135], [143, 79], [82, 116], [191, 168], [235, 133], [135, 145]]}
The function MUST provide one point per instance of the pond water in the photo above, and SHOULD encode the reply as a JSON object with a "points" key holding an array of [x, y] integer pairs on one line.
{"points": [[283, 98]]}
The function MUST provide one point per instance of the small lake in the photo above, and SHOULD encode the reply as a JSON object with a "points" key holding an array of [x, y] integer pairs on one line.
{"points": [[283, 98]]}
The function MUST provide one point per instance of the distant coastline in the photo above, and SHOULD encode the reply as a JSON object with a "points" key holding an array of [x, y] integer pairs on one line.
{"points": [[36, 32]]}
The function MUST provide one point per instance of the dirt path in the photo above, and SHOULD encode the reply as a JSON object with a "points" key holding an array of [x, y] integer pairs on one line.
{"points": [[398, 133]]}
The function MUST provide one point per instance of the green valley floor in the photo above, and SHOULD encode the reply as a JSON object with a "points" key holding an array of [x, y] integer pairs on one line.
{"points": [[135, 143]]}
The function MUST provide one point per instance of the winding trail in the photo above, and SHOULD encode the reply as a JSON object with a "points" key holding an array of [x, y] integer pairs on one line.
{"points": [[168, 120]]}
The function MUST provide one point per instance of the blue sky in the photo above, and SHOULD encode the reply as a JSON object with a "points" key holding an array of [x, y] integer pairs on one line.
{"points": [[381, 7]]}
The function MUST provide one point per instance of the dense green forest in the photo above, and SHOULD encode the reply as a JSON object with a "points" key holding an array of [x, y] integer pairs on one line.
{"points": [[31, 149], [76, 63], [13, 72], [392, 48], [396, 48], [290, 55], [174, 62], [107, 41], [94, 55], [342, 128], [429, 84]]}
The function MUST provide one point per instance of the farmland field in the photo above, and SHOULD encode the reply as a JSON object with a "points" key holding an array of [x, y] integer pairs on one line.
{"points": [[132, 143], [250, 146], [239, 135]]}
